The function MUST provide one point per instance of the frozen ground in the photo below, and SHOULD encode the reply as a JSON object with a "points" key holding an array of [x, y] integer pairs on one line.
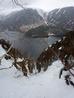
{"points": [[43, 85]]}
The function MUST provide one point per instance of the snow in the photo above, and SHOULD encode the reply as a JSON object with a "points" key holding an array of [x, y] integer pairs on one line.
{"points": [[60, 48], [58, 11], [43, 85]]}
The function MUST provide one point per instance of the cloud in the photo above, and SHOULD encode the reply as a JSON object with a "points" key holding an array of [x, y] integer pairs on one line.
{"points": [[42, 4], [52, 4]]}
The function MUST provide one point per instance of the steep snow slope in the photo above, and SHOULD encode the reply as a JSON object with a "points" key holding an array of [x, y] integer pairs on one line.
{"points": [[43, 85]]}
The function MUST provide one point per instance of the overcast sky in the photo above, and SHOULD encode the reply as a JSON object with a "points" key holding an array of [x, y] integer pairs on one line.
{"points": [[46, 5]]}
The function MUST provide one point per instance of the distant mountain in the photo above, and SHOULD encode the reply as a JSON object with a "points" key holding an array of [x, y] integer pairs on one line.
{"points": [[2, 17], [19, 19], [61, 20], [38, 23]]}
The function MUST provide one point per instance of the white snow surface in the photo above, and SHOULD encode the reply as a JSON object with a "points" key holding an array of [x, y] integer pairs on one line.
{"points": [[43, 85]]}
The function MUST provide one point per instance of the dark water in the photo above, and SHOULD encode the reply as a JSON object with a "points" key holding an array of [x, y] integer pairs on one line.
{"points": [[27, 46], [32, 47], [52, 39]]}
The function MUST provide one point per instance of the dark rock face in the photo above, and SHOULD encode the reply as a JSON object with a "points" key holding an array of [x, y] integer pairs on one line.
{"points": [[61, 20]]}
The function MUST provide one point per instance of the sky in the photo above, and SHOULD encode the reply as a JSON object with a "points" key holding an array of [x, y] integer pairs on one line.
{"points": [[46, 5]]}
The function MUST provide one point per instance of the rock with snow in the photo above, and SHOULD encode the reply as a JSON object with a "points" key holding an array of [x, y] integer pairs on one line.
{"points": [[61, 20]]}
